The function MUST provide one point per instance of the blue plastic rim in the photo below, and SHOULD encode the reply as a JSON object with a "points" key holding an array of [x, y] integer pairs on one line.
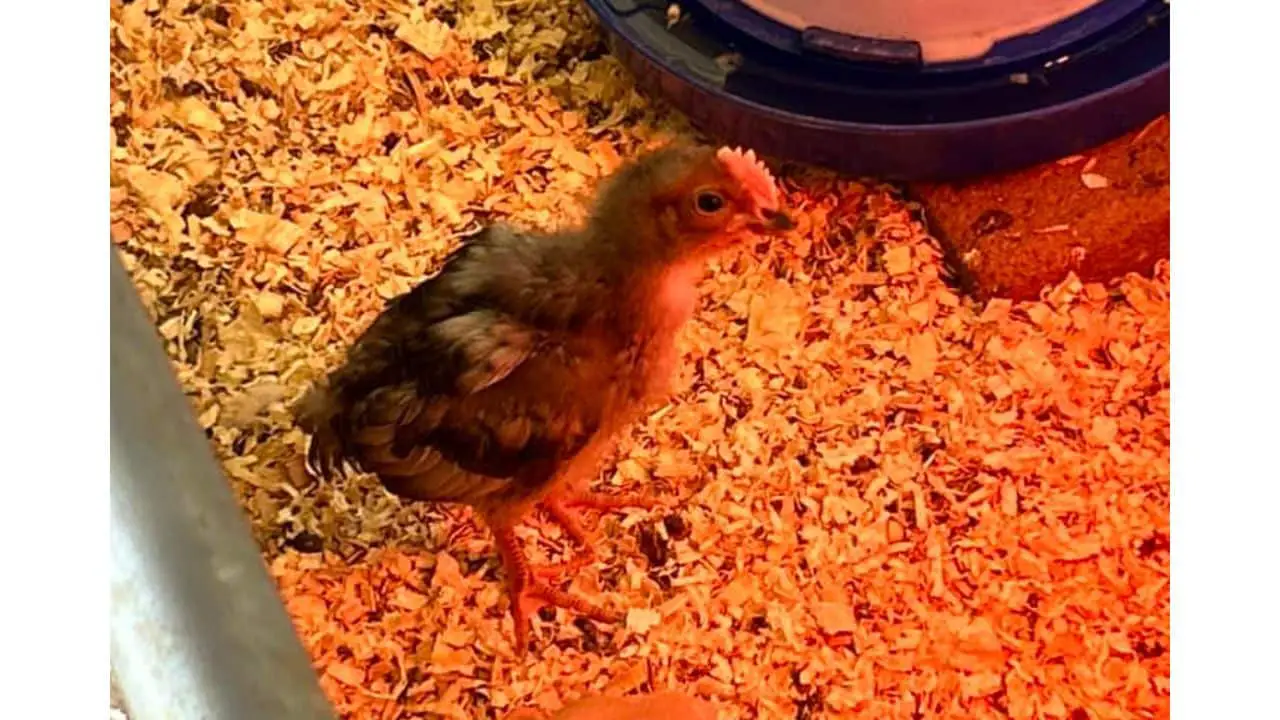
{"points": [[750, 81], [1041, 43]]}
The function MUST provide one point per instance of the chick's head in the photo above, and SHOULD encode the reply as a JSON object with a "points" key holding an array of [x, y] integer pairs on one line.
{"points": [[691, 201]]}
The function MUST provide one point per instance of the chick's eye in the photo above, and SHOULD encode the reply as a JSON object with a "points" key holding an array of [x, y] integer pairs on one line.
{"points": [[709, 202]]}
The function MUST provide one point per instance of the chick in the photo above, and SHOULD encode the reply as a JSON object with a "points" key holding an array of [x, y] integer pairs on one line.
{"points": [[504, 380]]}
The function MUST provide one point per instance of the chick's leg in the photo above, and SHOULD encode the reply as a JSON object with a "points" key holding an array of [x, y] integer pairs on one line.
{"points": [[561, 508], [571, 489], [529, 591], [573, 527]]}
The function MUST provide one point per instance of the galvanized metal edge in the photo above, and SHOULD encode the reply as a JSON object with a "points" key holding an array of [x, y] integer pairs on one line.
{"points": [[197, 629]]}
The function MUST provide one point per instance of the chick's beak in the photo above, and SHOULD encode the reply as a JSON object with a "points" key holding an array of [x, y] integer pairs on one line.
{"points": [[772, 222]]}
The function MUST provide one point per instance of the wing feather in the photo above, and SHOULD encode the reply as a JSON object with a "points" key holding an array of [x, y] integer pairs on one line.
{"points": [[451, 397]]}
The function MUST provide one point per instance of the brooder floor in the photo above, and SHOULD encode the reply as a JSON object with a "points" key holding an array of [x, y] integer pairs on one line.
{"points": [[888, 501]]}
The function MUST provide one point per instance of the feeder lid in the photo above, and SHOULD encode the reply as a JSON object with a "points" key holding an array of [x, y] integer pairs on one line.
{"points": [[902, 89], [944, 30]]}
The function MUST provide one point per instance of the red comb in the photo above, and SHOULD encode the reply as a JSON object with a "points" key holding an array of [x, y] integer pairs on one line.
{"points": [[752, 174]]}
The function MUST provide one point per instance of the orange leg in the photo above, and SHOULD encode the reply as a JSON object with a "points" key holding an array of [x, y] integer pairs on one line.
{"points": [[561, 509], [529, 591], [573, 527], [562, 513]]}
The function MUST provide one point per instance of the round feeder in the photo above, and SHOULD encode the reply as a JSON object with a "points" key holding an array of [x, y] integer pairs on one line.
{"points": [[902, 89]]}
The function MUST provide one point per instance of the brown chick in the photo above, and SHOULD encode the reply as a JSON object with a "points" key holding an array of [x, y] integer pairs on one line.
{"points": [[504, 380]]}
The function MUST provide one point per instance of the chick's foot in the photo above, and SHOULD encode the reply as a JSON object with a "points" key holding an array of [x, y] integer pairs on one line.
{"points": [[573, 527], [563, 510], [564, 515], [529, 590]]}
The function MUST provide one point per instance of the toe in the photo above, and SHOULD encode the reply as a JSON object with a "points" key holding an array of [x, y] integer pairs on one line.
{"points": [[561, 598]]}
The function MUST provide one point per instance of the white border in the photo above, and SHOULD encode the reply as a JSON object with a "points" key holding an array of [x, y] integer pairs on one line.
{"points": [[1226, 518], [1226, 408], [53, 296]]}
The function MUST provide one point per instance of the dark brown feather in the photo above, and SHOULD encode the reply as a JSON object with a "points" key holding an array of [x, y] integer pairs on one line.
{"points": [[468, 387]]}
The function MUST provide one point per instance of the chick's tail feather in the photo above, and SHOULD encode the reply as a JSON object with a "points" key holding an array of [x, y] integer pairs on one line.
{"points": [[317, 414]]}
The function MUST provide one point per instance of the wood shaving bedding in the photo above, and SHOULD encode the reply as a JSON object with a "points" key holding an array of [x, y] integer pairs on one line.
{"points": [[892, 502]]}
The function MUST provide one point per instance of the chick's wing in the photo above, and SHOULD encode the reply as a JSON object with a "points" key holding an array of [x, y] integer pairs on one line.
{"points": [[449, 398]]}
